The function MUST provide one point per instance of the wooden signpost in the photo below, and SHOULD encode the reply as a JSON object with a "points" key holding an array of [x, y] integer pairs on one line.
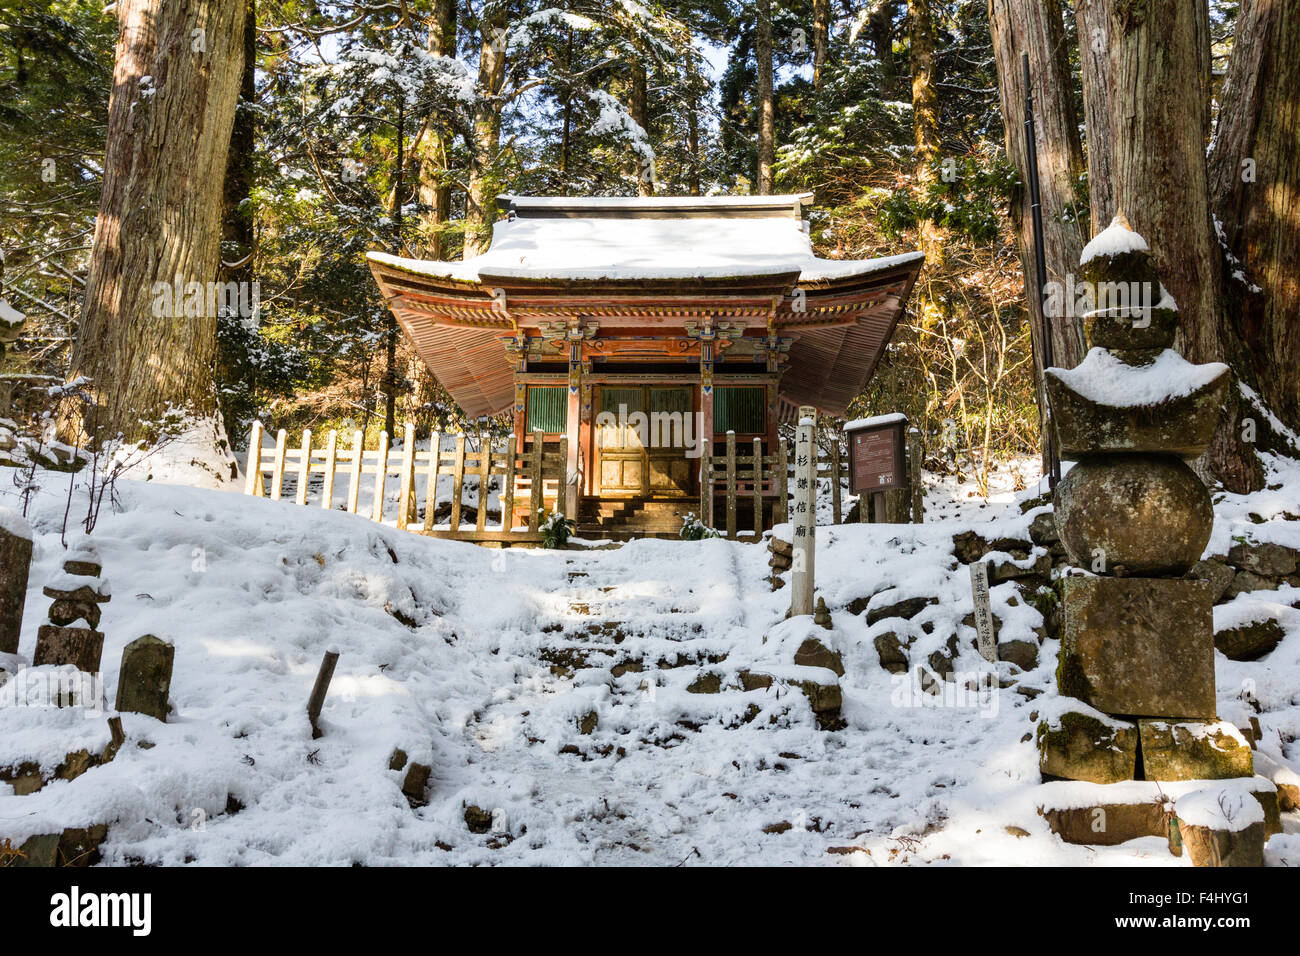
{"points": [[979, 588], [877, 460], [804, 517]]}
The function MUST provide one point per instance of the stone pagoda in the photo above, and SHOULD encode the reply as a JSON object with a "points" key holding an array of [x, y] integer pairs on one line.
{"points": [[69, 636], [1136, 668]]}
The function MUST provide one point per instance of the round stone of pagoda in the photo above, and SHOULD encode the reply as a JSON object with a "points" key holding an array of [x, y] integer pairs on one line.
{"points": [[1143, 515]]}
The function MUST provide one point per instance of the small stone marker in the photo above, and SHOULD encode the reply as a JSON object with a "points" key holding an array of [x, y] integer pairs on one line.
{"points": [[145, 679], [979, 588], [15, 564], [805, 513], [77, 593]]}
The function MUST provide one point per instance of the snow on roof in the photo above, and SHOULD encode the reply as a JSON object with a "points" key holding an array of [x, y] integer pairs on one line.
{"points": [[1116, 239], [1102, 378], [631, 249], [874, 421], [787, 200]]}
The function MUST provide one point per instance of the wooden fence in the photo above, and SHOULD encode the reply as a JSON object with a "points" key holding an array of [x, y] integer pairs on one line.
{"points": [[535, 476], [751, 476]]}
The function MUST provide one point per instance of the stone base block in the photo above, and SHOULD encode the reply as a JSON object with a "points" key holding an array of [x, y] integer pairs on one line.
{"points": [[1108, 824], [1220, 827], [1082, 744], [1193, 751], [78, 646], [1140, 647]]}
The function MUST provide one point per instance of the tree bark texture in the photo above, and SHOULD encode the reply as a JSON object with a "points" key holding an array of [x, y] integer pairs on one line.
{"points": [[1037, 27], [160, 209], [766, 108]]}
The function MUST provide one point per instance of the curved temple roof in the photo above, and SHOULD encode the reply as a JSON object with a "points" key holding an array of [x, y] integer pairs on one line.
{"points": [[652, 264]]}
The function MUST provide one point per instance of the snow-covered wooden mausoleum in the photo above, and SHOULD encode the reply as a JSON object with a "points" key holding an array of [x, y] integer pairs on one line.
{"points": [[642, 330]]}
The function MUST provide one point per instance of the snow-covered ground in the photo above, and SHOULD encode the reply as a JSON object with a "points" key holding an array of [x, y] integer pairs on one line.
{"points": [[487, 666]]}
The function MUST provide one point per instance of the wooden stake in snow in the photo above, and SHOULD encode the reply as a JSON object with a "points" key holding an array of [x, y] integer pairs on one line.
{"points": [[979, 589], [805, 513], [321, 688]]}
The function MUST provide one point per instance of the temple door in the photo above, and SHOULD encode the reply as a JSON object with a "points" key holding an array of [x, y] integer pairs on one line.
{"points": [[621, 464], [671, 424]]}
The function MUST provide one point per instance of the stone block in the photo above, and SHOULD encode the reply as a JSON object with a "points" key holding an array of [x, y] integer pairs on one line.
{"points": [[1216, 571], [79, 646], [1193, 751], [1139, 647], [813, 653], [144, 682], [1079, 743], [41, 850], [1249, 641], [892, 650], [1220, 827], [416, 783], [64, 613], [1107, 824], [79, 846], [1268, 559]]}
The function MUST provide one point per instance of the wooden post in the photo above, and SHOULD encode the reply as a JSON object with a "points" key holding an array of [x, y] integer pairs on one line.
{"points": [[320, 689], [731, 484], [354, 487], [916, 474], [431, 489], [304, 468], [457, 481], [835, 479], [508, 492], [782, 509], [805, 513], [706, 488], [562, 490], [406, 496], [758, 487], [331, 462], [567, 499], [381, 478], [277, 467], [535, 498], [484, 479], [253, 484]]}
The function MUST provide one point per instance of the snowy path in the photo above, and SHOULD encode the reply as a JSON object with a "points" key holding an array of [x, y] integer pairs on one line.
{"points": [[489, 666]]}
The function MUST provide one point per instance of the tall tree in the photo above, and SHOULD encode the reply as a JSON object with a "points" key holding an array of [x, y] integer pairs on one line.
{"points": [[925, 113], [1255, 189], [485, 141], [766, 106], [434, 189], [821, 39], [1037, 27], [1146, 83], [179, 64]]}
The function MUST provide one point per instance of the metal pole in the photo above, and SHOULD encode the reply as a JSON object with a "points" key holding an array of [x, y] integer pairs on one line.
{"points": [[1040, 265]]}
